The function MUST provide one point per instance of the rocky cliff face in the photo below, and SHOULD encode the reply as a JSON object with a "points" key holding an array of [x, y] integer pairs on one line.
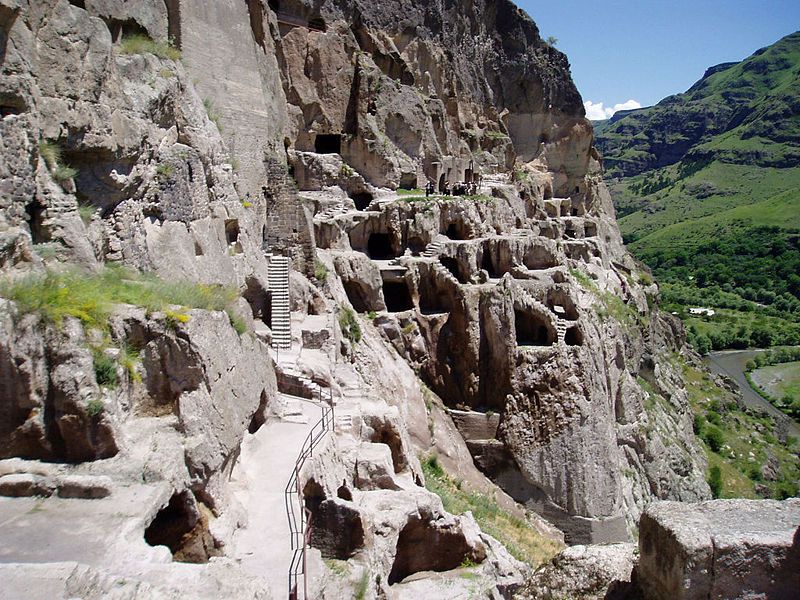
{"points": [[517, 306]]}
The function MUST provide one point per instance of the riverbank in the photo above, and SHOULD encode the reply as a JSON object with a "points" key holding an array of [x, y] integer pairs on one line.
{"points": [[733, 364]]}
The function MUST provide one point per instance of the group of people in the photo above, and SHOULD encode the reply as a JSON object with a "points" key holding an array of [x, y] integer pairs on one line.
{"points": [[458, 189]]}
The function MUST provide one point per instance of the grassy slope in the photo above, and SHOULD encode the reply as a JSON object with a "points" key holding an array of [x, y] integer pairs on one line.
{"points": [[518, 536], [720, 162], [748, 442]]}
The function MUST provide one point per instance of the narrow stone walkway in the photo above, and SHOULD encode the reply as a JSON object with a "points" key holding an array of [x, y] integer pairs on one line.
{"points": [[259, 480]]}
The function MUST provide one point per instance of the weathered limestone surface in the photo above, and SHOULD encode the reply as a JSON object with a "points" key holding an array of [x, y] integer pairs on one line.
{"points": [[721, 549], [418, 92], [584, 573]]}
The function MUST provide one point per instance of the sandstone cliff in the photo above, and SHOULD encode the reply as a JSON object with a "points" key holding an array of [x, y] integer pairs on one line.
{"points": [[160, 136]]}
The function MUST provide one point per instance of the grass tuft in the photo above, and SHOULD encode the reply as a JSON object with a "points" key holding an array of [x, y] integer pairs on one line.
{"points": [[143, 44], [320, 271], [212, 113], [348, 322], [105, 369]]}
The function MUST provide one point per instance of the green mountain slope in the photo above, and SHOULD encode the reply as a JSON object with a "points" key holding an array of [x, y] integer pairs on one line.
{"points": [[707, 189]]}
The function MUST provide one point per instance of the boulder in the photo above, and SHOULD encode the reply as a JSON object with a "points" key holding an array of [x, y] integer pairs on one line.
{"points": [[723, 549]]}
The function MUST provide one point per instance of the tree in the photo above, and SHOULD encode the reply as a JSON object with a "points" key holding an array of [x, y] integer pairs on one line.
{"points": [[715, 481], [551, 41], [703, 344]]}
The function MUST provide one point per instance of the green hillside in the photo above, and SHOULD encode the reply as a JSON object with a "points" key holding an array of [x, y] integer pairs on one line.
{"points": [[707, 190]]}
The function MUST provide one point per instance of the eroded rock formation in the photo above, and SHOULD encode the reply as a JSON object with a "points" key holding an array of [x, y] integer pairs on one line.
{"points": [[161, 136]]}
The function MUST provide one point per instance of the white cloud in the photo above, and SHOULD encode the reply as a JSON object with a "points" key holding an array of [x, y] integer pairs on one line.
{"points": [[598, 112]]}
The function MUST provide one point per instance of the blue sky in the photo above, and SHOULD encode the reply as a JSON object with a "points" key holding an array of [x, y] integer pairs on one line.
{"points": [[644, 50]]}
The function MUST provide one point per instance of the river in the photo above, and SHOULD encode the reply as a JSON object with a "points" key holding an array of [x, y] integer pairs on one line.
{"points": [[732, 363]]}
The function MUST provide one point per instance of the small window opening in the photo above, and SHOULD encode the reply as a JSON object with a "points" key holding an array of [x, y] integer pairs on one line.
{"points": [[328, 143]]}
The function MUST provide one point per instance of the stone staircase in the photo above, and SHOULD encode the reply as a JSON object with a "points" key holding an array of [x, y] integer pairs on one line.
{"points": [[561, 329], [333, 211], [433, 249], [443, 271], [278, 276], [561, 324]]}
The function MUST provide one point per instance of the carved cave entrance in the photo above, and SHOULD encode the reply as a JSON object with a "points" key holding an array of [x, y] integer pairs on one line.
{"points": [[362, 200], [328, 143], [532, 329], [397, 296], [379, 246]]}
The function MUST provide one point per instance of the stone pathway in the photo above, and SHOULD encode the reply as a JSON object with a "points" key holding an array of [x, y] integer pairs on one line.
{"points": [[259, 479]]}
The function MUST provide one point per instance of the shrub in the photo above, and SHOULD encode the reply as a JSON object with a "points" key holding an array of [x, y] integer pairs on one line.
{"points": [[349, 325], [143, 44], [105, 369], [164, 171], [51, 155], [128, 359], [715, 481], [697, 425], [320, 271], [174, 318], [95, 407], [86, 213], [64, 173], [713, 438], [372, 315]]}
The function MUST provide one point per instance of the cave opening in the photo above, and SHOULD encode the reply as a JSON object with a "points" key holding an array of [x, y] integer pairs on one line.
{"points": [[445, 549], [590, 229], [442, 183], [94, 183], [417, 245], [532, 330], [487, 264], [260, 416], [457, 231], [362, 200], [574, 212], [317, 24], [336, 528], [356, 296], [379, 246], [434, 301], [124, 28], [232, 235], [182, 528], [328, 143], [259, 299], [573, 337], [35, 212], [397, 296], [454, 266], [385, 434]]}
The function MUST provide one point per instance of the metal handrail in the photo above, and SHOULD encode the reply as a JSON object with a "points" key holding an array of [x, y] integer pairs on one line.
{"points": [[300, 520]]}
